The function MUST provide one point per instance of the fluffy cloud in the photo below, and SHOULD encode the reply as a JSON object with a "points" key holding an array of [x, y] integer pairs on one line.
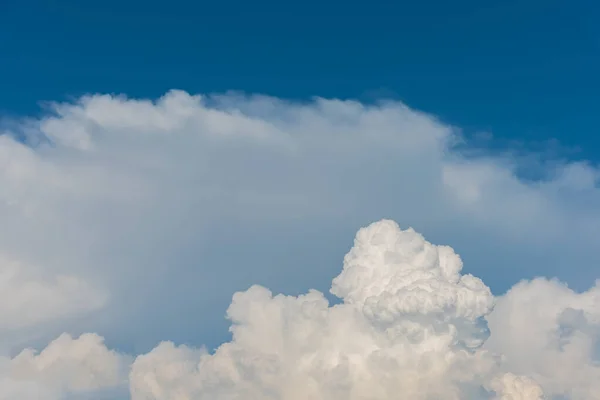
{"points": [[410, 325], [65, 367], [397, 331], [136, 219], [552, 333], [511, 387]]}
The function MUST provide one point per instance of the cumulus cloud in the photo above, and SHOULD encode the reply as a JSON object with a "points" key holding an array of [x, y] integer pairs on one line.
{"points": [[401, 330], [67, 366], [511, 387], [136, 219], [552, 333], [392, 334]]}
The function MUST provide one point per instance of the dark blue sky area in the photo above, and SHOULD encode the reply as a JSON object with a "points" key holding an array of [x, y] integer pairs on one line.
{"points": [[527, 70]]}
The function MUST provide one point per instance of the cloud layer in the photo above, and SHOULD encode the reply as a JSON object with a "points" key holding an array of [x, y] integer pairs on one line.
{"points": [[411, 325], [137, 219]]}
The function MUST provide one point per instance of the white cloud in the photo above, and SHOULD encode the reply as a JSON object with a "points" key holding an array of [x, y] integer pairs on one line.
{"points": [[66, 366], [391, 272], [135, 219], [430, 342], [29, 298], [547, 330], [512, 387]]}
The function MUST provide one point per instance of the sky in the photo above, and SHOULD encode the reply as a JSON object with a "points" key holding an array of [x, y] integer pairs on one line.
{"points": [[314, 201], [524, 70]]}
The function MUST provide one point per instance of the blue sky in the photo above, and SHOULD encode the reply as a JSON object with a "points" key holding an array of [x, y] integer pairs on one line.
{"points": [[525, 70], [136, 218]]}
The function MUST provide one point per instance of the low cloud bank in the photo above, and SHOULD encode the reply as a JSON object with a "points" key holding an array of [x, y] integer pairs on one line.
{"points": [[410, 325]]}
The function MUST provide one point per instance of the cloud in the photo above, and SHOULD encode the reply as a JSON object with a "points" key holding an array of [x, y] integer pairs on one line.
{"points": [[66, 366], [136, 219], [410, 325], [50, 297], [552, 333], [390, 335], [512, 387], [417, 278], [29, 298]]}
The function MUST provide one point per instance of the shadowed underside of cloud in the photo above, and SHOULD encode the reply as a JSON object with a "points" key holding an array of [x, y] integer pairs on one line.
{"points": [[136, 219]]}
